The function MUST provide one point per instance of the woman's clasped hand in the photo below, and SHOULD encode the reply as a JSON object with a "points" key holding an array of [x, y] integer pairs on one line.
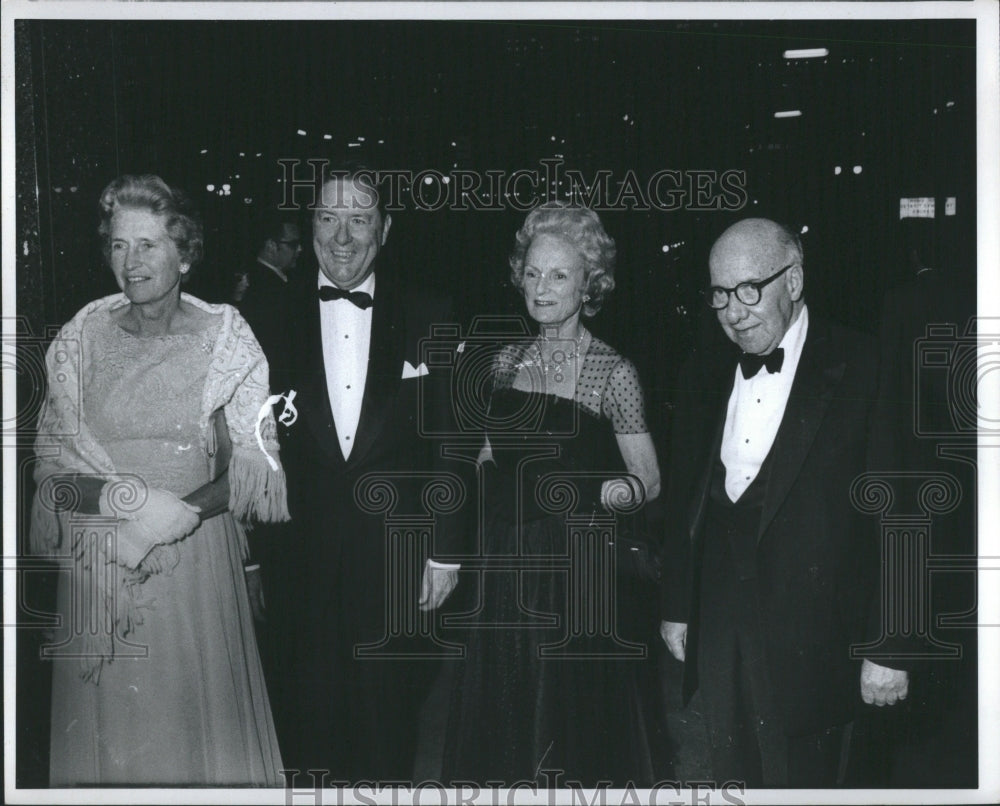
{"points": [[161, 519]]}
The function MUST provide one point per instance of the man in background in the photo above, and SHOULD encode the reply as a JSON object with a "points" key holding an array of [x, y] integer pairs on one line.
{"points": [[265, 290]]}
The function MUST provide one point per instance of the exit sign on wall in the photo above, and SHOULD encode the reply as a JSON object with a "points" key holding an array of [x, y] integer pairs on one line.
{"points": [[921, 207]]}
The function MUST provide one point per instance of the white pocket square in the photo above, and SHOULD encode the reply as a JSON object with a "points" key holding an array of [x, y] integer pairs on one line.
{"points": [[410, 371]]}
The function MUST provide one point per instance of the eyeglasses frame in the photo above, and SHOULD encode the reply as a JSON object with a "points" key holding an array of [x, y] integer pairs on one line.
{"points": [[757, 285]]}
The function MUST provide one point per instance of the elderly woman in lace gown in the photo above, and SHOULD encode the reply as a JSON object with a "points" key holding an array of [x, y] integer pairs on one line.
{"points": [[155, 446], [541, 687]]}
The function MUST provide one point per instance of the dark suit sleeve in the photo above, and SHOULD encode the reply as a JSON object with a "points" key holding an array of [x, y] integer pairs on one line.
{"points": [[682, 470], [891, 448], [453, 530]]}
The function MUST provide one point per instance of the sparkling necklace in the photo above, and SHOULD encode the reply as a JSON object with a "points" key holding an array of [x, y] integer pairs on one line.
{"points": [[560, 358]]}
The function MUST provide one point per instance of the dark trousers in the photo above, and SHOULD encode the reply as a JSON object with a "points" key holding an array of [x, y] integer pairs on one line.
{"points": [[359, 720], [353, 717], [748, 741]]}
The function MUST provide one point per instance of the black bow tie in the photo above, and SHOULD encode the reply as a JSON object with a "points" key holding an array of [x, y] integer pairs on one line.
{"points": [[750, 363], [359, 298]]}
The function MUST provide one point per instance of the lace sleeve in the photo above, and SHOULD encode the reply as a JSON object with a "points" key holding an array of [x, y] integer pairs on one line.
{"points": [[623, 399]]}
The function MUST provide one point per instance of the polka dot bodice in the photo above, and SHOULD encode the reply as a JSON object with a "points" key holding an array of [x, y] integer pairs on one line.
{"points": [[607, 386]]}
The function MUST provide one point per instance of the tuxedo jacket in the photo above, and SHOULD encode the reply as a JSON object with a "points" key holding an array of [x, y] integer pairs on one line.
{"points": [[265, 307], [817, 556], [339, 533]]}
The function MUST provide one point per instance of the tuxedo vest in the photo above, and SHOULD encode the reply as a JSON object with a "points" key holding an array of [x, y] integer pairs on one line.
{"points": [[737, 522]]}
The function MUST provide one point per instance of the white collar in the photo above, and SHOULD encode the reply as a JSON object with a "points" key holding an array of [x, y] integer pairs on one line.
{"points": [[795, 336]]}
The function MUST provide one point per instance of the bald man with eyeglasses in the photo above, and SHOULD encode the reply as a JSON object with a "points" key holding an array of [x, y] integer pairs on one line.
{"points": [[772, 573]]}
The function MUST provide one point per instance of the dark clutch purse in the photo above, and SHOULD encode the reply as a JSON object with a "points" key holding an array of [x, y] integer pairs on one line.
{"points": [[636, 547], [220, 446], [634, 550]]}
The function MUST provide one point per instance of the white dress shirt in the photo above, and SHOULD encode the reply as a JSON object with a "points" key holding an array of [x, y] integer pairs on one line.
{"points": [[346, 331], [756, 407]]}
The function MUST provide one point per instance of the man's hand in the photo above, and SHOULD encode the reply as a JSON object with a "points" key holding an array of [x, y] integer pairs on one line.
{"points": [[881, 685], [437, 585], [674, 635], [256, 593]]}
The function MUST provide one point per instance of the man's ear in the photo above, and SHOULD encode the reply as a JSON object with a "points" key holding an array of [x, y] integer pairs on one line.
{"points": [[385, 228], [795, 282]]}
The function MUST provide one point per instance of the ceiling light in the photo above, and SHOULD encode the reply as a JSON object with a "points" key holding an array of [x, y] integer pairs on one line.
{"points": [[806, 53]]}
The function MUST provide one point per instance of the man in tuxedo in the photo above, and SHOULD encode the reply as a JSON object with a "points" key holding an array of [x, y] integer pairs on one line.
{"points": [[771, 570], [353, 359], [264, 300]]}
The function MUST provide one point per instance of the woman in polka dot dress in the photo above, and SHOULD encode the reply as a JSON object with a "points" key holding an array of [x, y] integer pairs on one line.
{"points": [[550, 688]]}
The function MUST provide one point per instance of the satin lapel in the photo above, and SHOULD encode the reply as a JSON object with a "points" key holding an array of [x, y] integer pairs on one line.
{"points": [[315, 398], [816, 379], [385, 366]]}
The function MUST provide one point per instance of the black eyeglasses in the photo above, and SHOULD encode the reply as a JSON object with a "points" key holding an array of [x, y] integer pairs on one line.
{"points": [[748, 293]]}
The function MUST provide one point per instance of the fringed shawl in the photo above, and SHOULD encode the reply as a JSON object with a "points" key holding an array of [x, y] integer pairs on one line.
{"points": [[237, 381]]}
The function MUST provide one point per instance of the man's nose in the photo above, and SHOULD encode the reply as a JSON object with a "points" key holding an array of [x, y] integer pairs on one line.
{"points": [[342, 234], [736, 311]]}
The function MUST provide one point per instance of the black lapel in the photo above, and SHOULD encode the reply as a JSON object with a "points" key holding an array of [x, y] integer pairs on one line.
{"points": [[385, 364], [820, 370]]}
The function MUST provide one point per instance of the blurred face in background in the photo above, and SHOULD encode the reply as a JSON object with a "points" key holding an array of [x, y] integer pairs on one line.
{"points": [[286, 250]]}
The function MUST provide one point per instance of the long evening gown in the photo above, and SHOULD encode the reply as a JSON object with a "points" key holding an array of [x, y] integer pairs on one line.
{"points": [[194, 711], [517, 712]]}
